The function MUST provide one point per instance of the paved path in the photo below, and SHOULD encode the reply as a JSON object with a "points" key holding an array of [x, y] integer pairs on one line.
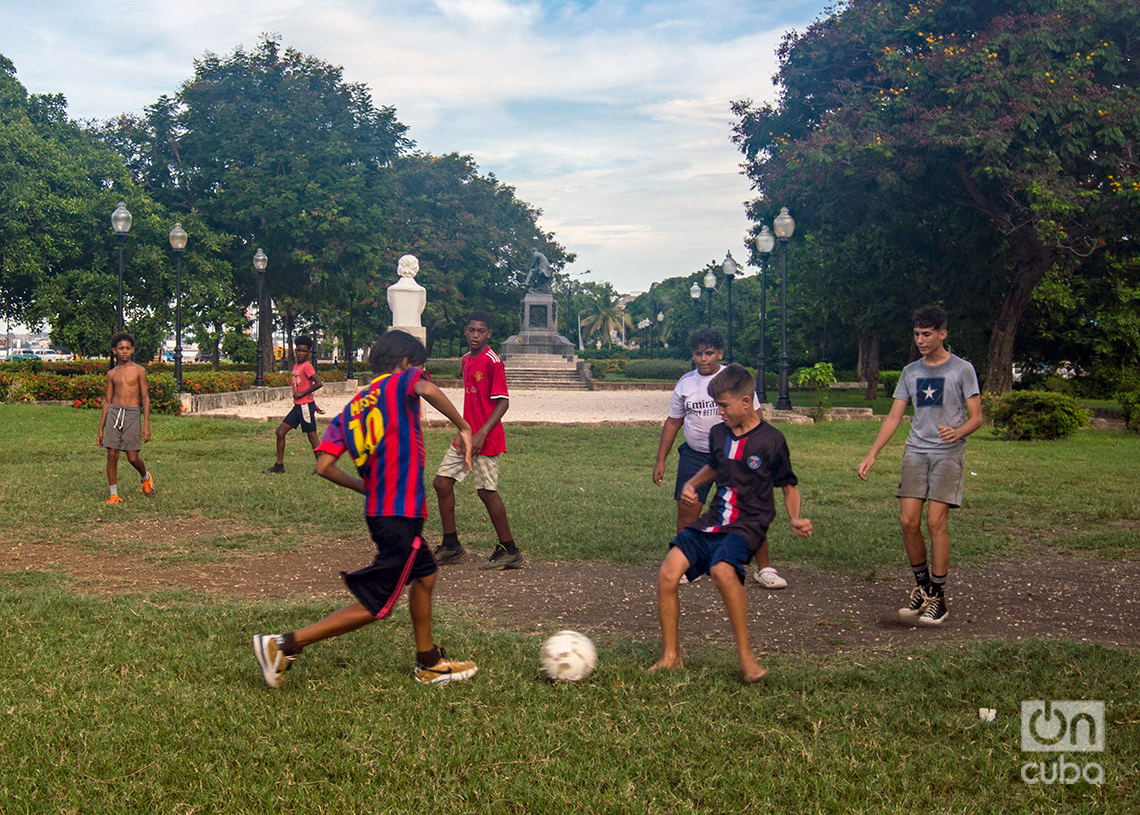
{"points": [[527, 406]]}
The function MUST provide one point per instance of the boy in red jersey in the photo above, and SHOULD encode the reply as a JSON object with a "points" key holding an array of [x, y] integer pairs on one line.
{"points": [[380, 429], [748, 458], [306, 381], [127, 402], [485, 401]]}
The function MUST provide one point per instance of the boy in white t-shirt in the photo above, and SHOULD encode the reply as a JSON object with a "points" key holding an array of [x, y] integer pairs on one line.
{"points": [[695, 411]]}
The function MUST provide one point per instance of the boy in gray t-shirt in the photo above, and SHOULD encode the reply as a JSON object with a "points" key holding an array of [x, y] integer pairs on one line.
{"points": [[947, 407]]}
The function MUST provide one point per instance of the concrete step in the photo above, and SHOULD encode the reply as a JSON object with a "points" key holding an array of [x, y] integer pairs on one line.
{"points": [[545, 379]]}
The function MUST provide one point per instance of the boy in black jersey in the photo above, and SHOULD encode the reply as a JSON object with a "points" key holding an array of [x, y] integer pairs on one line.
{"points": [[748, 458]]}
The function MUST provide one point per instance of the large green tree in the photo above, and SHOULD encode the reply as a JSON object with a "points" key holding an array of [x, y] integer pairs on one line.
{"points": [[1017, 119]]}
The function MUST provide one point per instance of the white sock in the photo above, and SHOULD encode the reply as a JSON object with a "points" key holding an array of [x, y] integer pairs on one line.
{"points": [[114, 490]]}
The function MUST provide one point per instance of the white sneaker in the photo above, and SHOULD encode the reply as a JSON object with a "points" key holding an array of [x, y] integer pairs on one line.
{"points": [[273, 662], [768, 578]]}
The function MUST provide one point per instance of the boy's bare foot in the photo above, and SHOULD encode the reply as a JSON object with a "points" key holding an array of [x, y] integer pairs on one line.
{"points": [[667, 664], [754, 673]]}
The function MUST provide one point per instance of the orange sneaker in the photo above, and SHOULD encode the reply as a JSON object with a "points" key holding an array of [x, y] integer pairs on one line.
{"points": [[114, 499], [148, 486]]}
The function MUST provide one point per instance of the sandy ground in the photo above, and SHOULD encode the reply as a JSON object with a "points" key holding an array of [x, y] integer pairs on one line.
{"points": [[527, 406]]}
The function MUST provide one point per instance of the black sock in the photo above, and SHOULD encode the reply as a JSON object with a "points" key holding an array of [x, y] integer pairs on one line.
{"points": [[428, 658], [921, 575], [288, 644], [451, 541], [509, 546], [937, 584]]}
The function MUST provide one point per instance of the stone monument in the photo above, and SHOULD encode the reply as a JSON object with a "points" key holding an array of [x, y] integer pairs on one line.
{"points": [[407, 299], [538, 333]]}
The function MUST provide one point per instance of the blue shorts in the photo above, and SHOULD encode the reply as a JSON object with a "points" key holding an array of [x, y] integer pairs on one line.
{"points": [[401, 555], [304, 415], [704, 550], [689, 463]]}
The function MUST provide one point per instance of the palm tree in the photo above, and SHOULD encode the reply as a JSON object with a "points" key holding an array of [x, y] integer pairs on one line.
{"points": [[603, 314]]}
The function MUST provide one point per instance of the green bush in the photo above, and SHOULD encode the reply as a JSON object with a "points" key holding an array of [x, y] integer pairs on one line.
{"points": [[1103, 381], [667, 369], [1037, 415], [1130, 409], [889, 380], [817, 378], [164, 396], [443, 368]]}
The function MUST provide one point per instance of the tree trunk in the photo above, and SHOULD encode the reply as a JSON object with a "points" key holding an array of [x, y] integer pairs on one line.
{"points": [[1032, 262], [869, 364]]}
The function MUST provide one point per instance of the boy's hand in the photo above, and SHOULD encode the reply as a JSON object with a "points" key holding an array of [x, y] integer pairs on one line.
{"points": [[317, 409], [865, 466], [948, 434], [658, 472], [689, 495], [802, 527], [463, 443], [477, 442], [146, 432]]}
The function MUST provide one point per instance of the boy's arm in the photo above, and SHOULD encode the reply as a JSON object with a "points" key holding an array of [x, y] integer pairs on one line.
{"points": [[886, 430], [792, 502], [106, 407], [496, 416], [326, 468], [669, 432], [706, 475], [435, 397], [144, 395], [972, 423]]}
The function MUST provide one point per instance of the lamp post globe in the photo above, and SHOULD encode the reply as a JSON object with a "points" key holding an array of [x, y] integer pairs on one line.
{"points": [[765, 243], [260, 262], [784, 226], [178, 238], [729, 268], [710, 284]]}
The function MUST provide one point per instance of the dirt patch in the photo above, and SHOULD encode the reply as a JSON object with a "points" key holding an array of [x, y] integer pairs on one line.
{"points": [[1045, 595]]}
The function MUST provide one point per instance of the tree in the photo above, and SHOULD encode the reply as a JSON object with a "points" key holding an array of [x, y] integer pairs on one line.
{"points": [[1022, 114], [604, 317]]}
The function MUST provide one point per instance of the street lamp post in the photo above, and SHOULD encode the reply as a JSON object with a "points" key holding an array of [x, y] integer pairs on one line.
{"points": [[178, 238], [121, 223], [765, 243], [729, 267], [351, 341], [710, 284], [315, 279], [260, 261], [784, 226]]}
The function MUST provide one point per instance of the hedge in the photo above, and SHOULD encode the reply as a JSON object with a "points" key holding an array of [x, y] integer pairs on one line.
{"points": [[1037, 415]]}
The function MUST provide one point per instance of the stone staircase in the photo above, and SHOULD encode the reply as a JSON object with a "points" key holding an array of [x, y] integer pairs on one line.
{"points": [[543, 372]]}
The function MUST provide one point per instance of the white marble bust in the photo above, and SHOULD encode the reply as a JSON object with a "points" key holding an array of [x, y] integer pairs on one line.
{"points": [[406, 297]]}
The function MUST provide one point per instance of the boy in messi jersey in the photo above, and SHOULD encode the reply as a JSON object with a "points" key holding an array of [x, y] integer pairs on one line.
{"points": [[485, 401], [748, 458], [380, 430]]}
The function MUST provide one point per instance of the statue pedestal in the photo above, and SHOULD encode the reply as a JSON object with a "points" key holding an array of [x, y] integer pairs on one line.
{"points": [[417, 331], [407, 299], [538, 333]]}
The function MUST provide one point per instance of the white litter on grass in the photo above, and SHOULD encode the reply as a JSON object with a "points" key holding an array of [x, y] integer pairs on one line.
{"points": [[972, 473], [987, 714]]}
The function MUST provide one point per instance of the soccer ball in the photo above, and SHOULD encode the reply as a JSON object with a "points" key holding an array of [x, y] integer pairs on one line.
{"points": [[568, 656]]}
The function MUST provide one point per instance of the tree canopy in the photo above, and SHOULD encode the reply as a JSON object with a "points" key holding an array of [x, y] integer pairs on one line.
{"points": [[1004, 134]]}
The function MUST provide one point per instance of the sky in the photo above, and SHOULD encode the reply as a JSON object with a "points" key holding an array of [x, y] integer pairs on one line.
{"points": [[611, 117]]}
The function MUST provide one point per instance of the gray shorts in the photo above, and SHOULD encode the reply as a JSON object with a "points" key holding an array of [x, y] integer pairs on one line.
{"points": [[123, 430], [933, 476]]}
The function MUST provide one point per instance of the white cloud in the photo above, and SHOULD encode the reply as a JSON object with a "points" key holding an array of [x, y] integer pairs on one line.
{"points": [[612, 117]]}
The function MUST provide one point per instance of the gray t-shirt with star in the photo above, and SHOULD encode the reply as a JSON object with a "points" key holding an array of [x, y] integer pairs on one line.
{"points": [[939, 394]]}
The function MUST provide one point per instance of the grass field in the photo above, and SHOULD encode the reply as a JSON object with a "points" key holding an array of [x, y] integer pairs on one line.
{"points": [[151, 703]]}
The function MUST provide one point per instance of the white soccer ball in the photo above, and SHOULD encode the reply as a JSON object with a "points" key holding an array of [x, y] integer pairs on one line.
{"points": [[568, 656]]}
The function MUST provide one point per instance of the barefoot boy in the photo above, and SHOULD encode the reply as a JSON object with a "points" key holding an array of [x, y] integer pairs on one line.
{"points": [[485, 401], [748, 458], [306, 381], [380, 430], [947, 408], [130, 425], [693, 410]]}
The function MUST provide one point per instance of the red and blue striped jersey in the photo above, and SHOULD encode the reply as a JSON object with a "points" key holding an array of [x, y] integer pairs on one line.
{"points": [[748, 468], [380, 429]]}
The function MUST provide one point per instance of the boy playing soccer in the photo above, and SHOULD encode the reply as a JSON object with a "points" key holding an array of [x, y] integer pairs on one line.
{"points": [[380, 429], [485, 400], [694, 410], [748, 458], [947, 408], [130, 425], [306, 381]]}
